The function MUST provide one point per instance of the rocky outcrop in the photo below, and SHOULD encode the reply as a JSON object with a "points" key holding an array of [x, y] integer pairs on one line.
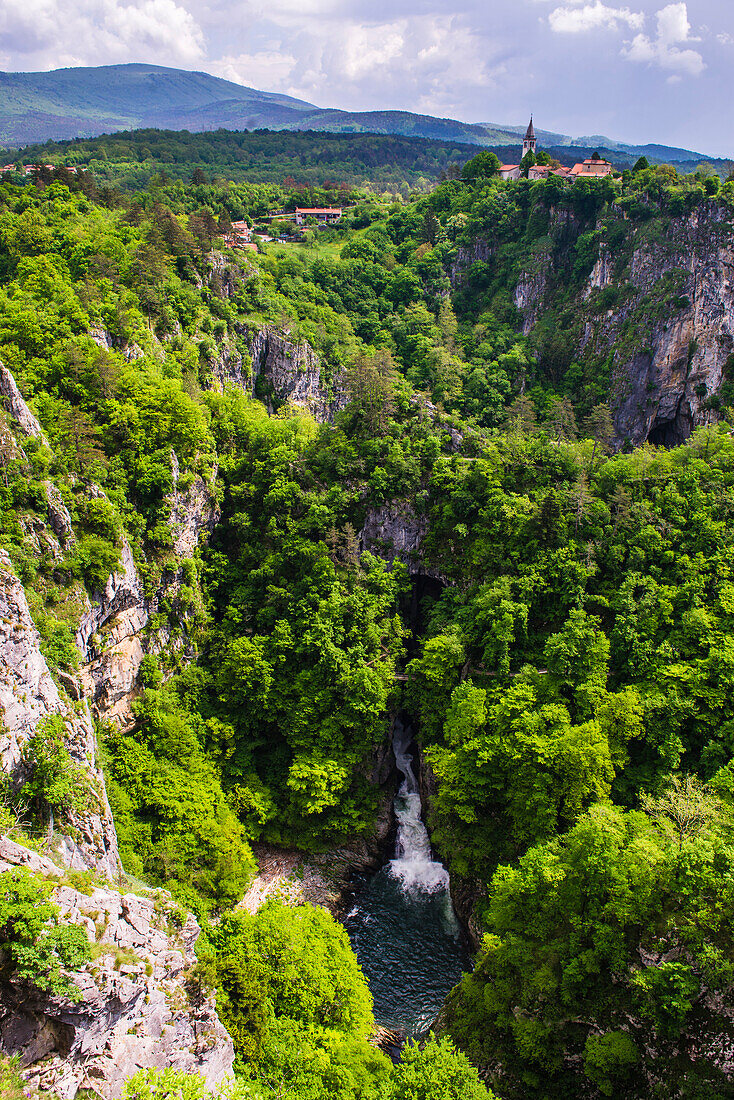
{"points": [[28, 695], [395, 532], [135, 1008], [114, 633], [280, 370], [664, 381], [12, 399], [478, 251], [58, 515], [660, 308], [194, 510], [110, 640]]}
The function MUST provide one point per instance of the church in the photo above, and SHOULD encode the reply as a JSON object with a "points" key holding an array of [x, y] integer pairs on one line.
{"points": [[593, 168]]}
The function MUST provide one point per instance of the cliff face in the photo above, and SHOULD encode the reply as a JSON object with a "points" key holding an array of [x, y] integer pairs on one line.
{"points": [[134, 1010], [664, 381], [28, 695], [277, 370], [659, 307], [115, 632], [292, 372]]}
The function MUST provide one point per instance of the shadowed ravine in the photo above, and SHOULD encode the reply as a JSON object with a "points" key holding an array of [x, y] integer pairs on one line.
{"points": [[402, 926]]}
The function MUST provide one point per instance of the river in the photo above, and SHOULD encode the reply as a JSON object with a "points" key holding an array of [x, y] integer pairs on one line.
{"points": [[402, 925]]}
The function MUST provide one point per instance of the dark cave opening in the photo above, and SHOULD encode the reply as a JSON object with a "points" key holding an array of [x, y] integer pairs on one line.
{"points": [[425, 591], [671, 433]]}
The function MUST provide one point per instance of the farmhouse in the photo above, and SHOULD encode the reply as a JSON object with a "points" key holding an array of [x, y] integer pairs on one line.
{"points": [[239, 236], [324, 215]]}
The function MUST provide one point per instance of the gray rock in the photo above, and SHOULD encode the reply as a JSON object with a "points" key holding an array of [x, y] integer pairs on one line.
{"points": [[134, 1010], [58, 515], [12, 398], [395, 532], [28, 694], [194, 510], [282, 370]]}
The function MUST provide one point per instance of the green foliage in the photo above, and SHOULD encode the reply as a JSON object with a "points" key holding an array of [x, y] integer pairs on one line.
{"points": [[56, 782], [175, 1084], [572, 682], [296, 1004], [567, 926], [174, 823], [435, 1071], [34, 947], [11, 1083]]}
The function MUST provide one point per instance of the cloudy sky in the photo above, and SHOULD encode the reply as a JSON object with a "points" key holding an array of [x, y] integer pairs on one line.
{"points": [[639, 71]]}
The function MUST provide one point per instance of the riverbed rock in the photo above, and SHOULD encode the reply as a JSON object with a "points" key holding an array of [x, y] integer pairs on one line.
{"points": [[135, 1009]]}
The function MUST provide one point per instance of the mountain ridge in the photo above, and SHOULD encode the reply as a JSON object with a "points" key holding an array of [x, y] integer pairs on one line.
{"points": [[88, 101]]}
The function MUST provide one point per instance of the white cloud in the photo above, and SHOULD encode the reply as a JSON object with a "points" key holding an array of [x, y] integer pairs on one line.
{"points": [[49, 33], [579, 20], [664, 50], [268, 69], [426, 62]]}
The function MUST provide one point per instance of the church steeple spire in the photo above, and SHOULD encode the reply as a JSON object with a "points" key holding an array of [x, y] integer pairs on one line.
{"points": [[529, 142]]}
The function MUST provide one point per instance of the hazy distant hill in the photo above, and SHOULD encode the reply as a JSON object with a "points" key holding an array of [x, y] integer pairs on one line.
{"points": [[84, 102]]}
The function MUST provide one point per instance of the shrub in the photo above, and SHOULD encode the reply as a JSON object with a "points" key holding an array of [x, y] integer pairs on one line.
{"points": [[34, 947]]}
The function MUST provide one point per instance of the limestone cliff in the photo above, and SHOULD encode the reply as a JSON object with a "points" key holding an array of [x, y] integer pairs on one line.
{"points": [[659, 308], [135, 1007], [278, 369], [664, 381], [28, 695]]}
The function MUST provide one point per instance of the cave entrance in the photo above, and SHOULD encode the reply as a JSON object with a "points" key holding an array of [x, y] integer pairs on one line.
{"points": [[424, 592], [671, 433]]}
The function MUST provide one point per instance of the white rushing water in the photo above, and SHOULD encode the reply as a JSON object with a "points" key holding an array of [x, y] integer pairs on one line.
{"points": [[413, 865], [403, 926]]}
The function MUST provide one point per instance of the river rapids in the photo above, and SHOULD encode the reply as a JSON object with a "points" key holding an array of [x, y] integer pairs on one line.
{"points": [[402, 926]]}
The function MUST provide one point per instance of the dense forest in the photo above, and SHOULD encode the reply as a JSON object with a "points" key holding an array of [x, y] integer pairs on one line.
{"points": [[570, 673], [128, 160], [393, 164]]}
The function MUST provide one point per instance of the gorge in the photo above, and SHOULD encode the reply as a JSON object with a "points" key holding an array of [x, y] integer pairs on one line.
{"points": [[402, 924], [438, 504]]}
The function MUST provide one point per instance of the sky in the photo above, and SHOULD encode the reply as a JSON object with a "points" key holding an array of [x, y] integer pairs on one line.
{"points": [[646, 71]]}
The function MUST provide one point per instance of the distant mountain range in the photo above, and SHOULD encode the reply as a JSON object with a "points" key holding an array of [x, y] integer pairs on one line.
{"points": [[85, 102]]}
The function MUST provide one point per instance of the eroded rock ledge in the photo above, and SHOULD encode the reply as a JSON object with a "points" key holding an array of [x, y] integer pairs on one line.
{"points": [[134, 1009]]}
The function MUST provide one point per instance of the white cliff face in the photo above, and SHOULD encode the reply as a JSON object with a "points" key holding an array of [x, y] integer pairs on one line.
{"points": [[282, 370], [16, 406], [28, 695], [194, 510], [135, 1010], [669, 342], [110, 641], [662, 390], [113, 635]]}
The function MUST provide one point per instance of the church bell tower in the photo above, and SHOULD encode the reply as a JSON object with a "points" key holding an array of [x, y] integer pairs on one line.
{"points": [[529, 142]]}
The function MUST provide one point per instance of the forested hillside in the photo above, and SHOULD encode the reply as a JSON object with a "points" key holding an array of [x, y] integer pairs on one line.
{"points": [[258, 504], [310, 156]]}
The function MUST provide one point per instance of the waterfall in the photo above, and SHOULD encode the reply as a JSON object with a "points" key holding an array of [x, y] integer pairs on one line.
{"points": [[413, 864], [403, 926]]}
